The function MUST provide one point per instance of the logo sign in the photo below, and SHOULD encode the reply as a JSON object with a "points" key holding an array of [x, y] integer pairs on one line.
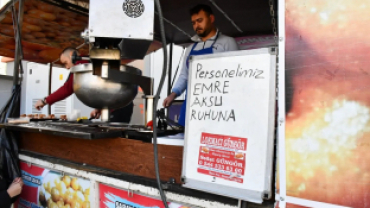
{"points": [[133, 8]]}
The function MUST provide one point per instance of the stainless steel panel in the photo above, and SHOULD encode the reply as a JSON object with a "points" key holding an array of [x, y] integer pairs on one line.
{"points": [[113, 20]]}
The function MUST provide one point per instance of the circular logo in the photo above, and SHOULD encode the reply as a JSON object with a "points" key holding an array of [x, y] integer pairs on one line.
{"points": [[133, 8]]}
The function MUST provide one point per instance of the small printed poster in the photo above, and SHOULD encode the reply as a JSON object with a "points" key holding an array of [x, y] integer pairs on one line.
{"points": [[222, 156], [117, 198], [49, 189]]}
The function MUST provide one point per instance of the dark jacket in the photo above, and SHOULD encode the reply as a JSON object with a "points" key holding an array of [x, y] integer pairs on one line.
{"points": [[5, 200], [7, 175]]}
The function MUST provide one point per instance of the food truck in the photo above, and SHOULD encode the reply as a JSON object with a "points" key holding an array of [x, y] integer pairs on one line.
{"points": [[284, 122]]}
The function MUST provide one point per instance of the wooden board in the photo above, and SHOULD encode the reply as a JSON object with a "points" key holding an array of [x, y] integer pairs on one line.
{"points": [[119, 154]]}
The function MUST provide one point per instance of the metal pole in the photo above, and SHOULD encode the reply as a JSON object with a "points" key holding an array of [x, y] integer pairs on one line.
{"points": [[49, 91], [281, 106], [169, 78], [169, 87], [17, 43]]}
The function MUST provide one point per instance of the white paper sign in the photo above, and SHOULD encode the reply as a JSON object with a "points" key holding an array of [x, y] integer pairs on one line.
{"points": [[229, 124]]}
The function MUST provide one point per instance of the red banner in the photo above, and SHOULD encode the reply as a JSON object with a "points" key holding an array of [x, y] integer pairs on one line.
{"points": [[224, 141], [222, 156], [46, 188], [117, 198]]}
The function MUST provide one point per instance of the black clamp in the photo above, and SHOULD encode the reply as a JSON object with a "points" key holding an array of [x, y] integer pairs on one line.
{"points": [[75, 57]]}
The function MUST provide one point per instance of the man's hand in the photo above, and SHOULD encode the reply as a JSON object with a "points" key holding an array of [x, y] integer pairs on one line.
{"points": [[15, 188], [39, 105], [96, 113], [168, 101]]}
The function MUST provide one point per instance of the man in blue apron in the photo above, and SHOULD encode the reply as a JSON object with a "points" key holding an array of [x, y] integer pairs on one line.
{"points": [[207, 41]]}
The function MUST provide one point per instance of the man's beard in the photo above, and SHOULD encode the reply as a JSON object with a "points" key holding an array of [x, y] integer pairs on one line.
{"points": [[204, 33]]}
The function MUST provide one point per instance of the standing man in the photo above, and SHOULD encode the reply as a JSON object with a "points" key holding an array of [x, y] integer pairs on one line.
{"points": [[208, 40], [119, 115]]}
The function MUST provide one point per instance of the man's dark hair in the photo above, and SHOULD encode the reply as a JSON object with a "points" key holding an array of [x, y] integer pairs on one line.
{"points": [[195, 10]]}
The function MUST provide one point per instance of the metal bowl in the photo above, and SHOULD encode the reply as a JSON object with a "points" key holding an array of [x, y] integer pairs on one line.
{"points": [[100, 93]]}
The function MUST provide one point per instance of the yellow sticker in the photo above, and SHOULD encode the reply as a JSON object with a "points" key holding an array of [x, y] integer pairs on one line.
{"points": [[60, 76]]}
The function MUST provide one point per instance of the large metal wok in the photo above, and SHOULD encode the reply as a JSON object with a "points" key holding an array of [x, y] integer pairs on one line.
{"points": [[97, 92]]}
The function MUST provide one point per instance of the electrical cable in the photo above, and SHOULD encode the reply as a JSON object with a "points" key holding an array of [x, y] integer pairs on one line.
{"points": [[155, 103], [18, 39], [11, 107]]}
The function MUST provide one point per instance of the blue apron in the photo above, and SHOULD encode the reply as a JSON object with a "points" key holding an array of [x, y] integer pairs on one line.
{"points": [[193, 53]]}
